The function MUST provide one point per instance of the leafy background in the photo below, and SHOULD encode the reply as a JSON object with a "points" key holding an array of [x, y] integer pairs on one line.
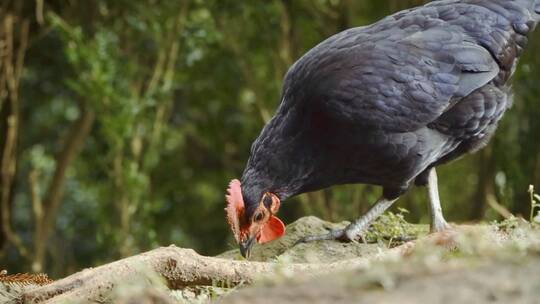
{"points": [[132, 116]]}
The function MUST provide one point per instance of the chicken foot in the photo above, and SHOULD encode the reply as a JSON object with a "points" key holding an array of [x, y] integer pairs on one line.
{"points": [[353, 231], [438, 223]]}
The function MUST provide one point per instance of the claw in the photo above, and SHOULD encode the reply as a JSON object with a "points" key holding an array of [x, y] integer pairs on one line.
{"points": [[362, 239], [334, 235], [300, 241], [355, 229]]}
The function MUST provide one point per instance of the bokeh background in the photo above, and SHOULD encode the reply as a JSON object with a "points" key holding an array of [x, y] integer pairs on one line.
{"points": [[122, 121]]}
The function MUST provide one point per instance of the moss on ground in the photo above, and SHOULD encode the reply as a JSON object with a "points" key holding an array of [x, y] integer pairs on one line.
{"points": [[387, 231], [495, 263]]}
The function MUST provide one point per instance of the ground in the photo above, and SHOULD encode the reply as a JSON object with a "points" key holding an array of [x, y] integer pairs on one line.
{"points": [[490, 263], [497, 263]]}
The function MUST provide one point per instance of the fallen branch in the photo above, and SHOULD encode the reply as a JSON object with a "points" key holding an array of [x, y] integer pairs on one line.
{"points": [[184, 267]]}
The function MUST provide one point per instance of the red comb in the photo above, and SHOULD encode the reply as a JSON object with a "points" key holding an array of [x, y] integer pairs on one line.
{"points": [[235, 206]]}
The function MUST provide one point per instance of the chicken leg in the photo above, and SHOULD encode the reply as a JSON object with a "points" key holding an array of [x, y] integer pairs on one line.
{"points": [[438, 223], [354, 230]]}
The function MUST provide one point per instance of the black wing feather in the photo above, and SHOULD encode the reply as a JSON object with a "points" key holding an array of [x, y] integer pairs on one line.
{"points": [[399, 83]]}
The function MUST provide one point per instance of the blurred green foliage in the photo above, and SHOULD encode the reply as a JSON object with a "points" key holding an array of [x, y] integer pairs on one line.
{"points": [[179, 90]]}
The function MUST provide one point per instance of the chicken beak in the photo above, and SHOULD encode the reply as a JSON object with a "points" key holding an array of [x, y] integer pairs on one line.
{"points": [[245, 247]]}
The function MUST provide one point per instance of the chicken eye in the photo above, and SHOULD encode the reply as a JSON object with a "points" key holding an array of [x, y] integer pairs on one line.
{"points": [[259, 217], [267, 201]]}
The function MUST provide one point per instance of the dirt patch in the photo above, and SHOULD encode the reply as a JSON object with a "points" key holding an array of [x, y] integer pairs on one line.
{"points": [[395, 229], [498, 263], [489, 264], [489, 282]]}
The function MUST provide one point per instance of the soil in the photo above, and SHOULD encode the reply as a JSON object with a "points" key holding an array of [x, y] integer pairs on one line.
{"points": [[496, 263], [490, 264], [283, 249], [488, 282]]}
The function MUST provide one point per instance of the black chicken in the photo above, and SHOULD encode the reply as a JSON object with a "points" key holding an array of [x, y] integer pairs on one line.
{"points": [[384, 105]]}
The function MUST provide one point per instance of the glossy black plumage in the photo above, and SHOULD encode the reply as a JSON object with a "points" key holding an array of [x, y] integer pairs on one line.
{"points": [[382, 104]]}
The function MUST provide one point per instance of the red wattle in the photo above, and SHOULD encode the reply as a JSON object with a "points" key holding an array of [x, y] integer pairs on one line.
{"points": [[273, 229]]}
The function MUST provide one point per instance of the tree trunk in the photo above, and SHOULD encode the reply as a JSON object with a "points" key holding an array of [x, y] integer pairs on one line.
{"points": [[45, 223], [486, 187], [13, 43]]}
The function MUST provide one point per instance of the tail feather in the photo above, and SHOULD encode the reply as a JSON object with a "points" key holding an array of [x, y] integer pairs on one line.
{"points": [[534, 8], [535, 13], [524, 14]]}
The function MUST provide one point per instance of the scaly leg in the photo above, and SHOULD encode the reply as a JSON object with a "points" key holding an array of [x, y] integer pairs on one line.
{"points": [[354, 230], [438, 223]]}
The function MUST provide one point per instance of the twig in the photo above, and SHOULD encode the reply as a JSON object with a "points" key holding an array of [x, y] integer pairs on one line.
{"points": [[39, 12], [501, 210]]}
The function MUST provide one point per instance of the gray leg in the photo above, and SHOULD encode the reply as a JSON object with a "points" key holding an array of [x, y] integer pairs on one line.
{"points": [[354, 230], [438, 223]]}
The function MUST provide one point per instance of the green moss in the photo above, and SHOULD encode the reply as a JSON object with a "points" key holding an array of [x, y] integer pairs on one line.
{"points": [[392, 229], [387, 231], [478, 250]]}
